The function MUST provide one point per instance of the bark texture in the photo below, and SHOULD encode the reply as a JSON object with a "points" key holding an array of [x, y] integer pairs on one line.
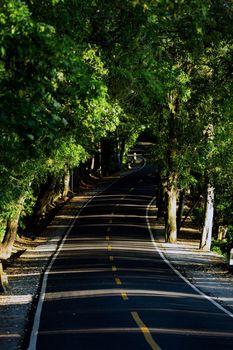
{"points": [[205, 243], [180, 210], [49, 193], [66, 182], [11, 231], [172, 176], [171, 227], [3, 279], [222, 232]]}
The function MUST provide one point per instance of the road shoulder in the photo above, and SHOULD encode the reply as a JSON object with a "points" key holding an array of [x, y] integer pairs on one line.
{"points": [[205, 270]]}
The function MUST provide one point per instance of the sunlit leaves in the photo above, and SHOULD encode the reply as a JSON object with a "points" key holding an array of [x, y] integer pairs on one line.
{"points": [[73, 72]]}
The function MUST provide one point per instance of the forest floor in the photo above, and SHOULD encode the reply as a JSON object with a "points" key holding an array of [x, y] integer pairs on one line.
{"points": [[206, 271]]}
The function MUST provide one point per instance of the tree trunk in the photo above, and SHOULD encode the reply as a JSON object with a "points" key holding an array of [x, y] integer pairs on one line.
{"points": [[118, 152], [172, 176], [92, 165], [180, 210], [66, 182], [205, 243], [3, 279], [99, 170], [49, 192], [122, 151], [160, 198], [11, 231], [222, 232], [171, 228]]}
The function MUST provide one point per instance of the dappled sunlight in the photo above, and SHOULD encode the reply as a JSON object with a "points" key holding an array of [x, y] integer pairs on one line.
{"points": [[115, 197], [93, 331], [100, 293], [75, 246], [116, 216], [146, 273], [80, 270], [20, 275], [85, 239], [65, 216], [108, 259], [194, 332], [10, 335], [129, 225], [153, 330], [15, 299], [183, 251], [120, 205], [57, 225], [98, 246]]}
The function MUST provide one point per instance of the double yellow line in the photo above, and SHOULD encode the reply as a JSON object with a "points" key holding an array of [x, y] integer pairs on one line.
{"points": [[145, 330]]}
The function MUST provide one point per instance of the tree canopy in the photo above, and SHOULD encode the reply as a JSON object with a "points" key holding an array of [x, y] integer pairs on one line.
{"points": [[75, 74]]}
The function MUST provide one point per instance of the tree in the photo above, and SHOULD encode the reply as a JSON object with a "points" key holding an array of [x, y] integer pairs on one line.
{"points": [[53, 101]]}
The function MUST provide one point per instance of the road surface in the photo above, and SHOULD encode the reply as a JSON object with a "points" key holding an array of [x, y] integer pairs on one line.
{"points": [[108, 288]]}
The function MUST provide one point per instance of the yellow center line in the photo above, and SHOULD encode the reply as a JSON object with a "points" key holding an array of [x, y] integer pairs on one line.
{"points": [[108, 229], [107, 238], [111, 258], [110, 221], [117, 280], [145, 330], [124, 296], [131, 189], [114, 269], [109, 247]]}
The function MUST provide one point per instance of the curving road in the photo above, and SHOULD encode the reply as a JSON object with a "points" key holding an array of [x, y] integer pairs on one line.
{"points": [[108, 288]]}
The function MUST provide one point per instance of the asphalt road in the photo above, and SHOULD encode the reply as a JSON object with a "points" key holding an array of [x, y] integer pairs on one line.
{"points": [[109, 289]]}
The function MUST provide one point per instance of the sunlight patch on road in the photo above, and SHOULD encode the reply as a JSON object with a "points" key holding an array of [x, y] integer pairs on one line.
{"points": [[114, 292], [80, 271], [116, 216], [122, 330], [19, 275], [46, 248], [65, 216], [15, 299], [10, 335]]}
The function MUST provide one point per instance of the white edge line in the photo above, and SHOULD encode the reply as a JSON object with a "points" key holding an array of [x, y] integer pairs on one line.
{"points": [[36, 321], [210, 299]]}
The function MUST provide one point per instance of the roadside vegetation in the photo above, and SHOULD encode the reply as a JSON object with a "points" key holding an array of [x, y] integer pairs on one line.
{"points": [[80, 81]]}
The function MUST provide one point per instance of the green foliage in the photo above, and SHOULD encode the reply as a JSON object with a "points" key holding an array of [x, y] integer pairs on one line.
{"points": [[223, 247], [54, 102], [69, 153], [75, 72]]}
